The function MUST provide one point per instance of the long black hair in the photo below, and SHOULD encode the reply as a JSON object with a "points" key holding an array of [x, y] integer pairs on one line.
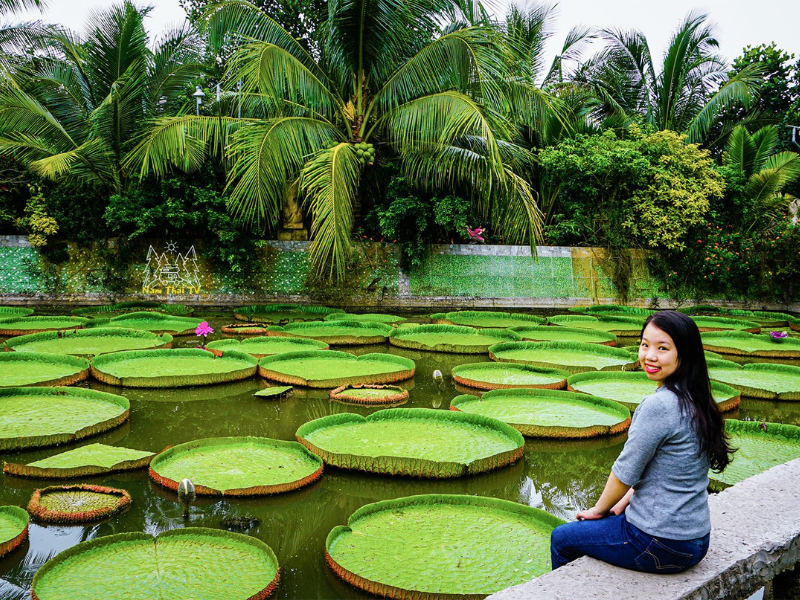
{"points": [[690, 382]]}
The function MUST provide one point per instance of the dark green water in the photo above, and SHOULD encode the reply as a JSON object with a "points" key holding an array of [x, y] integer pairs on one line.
{"points": [[560, 477]]}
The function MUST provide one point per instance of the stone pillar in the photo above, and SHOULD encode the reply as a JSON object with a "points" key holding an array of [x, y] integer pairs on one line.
{"points": [[292, 226]]}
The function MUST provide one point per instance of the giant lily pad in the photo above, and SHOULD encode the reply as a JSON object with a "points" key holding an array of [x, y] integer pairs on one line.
{"points": [[437, 547], [549, 413], [151, 321], [92, 459], [24, 325], [619, 326], [329, 369], [34, 368], [244, 329], [277, 313], [546, 333], [195, 562], [172, 368], [748, 344], [369, 394], [77, 503], [136, 306], [15, 311], [451, 338], [32, 417], [614, 310], [757, 450], [759, 380], [237, 466], [418, 442], [89, 342], [630, 389], [725, 324], [13, 528], [481, 318], [262, 346], [498, 376], [366, 318], [340, 333], [762, 317], [574, 357]]}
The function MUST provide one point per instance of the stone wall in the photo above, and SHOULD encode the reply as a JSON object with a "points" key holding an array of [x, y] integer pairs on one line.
{"points": [[453, 275]]}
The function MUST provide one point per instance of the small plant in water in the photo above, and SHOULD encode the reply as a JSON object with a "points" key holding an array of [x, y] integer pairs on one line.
{"points": [[778, 336], [203, 329], [186, 494]]}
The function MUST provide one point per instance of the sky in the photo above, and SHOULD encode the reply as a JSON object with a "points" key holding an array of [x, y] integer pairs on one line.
{"points": [[738, 22]]}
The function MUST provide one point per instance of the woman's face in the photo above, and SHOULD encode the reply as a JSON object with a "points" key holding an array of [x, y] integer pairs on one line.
{"points": [[658, 356]]}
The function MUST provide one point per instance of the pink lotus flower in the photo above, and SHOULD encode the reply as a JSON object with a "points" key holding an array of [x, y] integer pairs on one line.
{"points": [[778, 336], [204, 329], [475, 235]]}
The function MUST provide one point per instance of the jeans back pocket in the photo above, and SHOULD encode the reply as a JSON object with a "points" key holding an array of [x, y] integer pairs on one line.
{"points": [[660, 558]]}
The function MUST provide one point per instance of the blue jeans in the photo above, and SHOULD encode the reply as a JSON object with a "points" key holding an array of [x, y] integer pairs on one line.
{"points": [[617, 542]]}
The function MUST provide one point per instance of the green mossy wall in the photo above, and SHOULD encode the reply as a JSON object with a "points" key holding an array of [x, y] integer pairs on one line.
{"points": [[456, 275]]}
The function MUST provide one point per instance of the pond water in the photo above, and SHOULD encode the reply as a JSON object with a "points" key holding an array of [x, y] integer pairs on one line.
{"points": [[560, 477]]}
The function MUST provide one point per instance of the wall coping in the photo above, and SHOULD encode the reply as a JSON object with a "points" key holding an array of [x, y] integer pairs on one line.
{"points": [[755, 536]]}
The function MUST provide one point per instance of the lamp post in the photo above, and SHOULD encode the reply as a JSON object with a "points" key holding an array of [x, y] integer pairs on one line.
{"points": [[199, 95]]}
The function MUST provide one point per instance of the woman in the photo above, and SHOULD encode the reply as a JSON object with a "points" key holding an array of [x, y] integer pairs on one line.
{"points": [[676, 434]]}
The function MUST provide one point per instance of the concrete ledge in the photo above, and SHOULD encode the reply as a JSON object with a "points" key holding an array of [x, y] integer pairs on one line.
{"points": [[755, 536]]}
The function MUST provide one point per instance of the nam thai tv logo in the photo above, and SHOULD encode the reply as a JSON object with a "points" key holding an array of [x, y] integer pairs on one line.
{"points": [[171, 272]]}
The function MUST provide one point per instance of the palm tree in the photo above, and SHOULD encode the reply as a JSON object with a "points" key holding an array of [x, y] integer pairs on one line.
{"points": [[72, 115], [685, 95], [388, 80], [765, 172]]}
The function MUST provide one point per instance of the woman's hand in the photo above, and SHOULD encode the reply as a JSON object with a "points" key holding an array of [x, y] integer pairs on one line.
{"points": [[591, 514]]}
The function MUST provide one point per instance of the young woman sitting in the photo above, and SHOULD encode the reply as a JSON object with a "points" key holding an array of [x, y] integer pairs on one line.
{"points": [[653, 513]]}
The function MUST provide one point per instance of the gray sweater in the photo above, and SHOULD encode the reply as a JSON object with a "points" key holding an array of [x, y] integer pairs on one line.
{"points": [[660, 461]]}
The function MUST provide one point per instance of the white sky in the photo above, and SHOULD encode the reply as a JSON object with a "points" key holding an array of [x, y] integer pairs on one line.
{"points": [[738, 22]]}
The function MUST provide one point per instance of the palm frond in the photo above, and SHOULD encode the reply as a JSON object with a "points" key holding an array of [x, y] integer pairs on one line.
{"points": [[764, 141], [779, 170], [576, 42], [740, 150], [329, 183], [89, 161]]}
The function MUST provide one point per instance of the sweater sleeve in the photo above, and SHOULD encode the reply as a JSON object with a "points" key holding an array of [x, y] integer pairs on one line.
{"points": [[649, 429]]}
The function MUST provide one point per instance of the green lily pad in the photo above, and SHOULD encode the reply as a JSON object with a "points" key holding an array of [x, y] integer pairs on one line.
{"points": [[136, 306], [748, 344], [244, 329], [436, 547], [619, 326], [277, 313], [757, 450], [759, 380], [451, 338], [340, 333], [24, 325], [13, 528], [366, 318], [19, 369], [15, 311], [546, 333], [259, 347], [614, 310], [369, 394], [89, 342], [237, 466], [419, 442], [329, 369], [763, 317], [151, 321], [549, 413], [630, 389], [172, 368], [77, 503], [497, 376], [725, 324], [278, 391], [33, 417], [195, 562], [574, 357], [92, 459], [484, 318]]}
